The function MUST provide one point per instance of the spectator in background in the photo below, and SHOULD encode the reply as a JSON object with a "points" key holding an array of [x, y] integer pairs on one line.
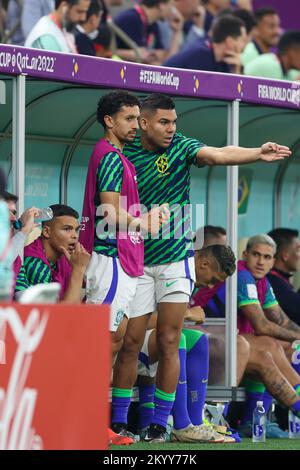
{"points": [[106, 6], [103, 43], [171, 31], [244, 4], [193, 14], [222, 54], [265, 36], [140, 24], [13, 22], [23, 15], [86, 33], [186, 7], [55, 31], [198, 34], [2, 20], [286, 264], [212, 9], [33, 10], [250, 22], [285, 65]]}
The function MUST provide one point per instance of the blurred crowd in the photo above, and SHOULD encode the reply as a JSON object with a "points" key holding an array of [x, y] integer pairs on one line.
{"points": [[215, 35]]}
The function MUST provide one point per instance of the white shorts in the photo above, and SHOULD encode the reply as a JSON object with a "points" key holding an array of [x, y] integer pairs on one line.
{"points": [[171, 282], [108, 283], [144, 368]]}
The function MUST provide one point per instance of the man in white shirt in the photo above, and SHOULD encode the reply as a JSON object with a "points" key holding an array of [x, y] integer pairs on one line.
{"points": [[54, 32]]}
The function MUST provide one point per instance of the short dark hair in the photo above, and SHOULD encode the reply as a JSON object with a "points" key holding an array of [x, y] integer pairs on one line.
{"points": [[283, 237], [112, 102], [104, 37], [94, 9], [157, 101], [226, 26], [288, 40], [10, 197], [224, 257], [247, 17], [264, 11], [153, 3], [71, 2], [59, 210]]}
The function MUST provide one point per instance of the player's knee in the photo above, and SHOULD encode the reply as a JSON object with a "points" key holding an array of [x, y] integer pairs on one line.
{"points": [[132, 344], [270, 344], [116, 346], [266, 360], [168, 340]]}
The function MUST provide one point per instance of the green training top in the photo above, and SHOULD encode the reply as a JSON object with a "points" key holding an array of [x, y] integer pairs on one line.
{"points": [[164, 177], [249, 53], [33, 271], [269, 66]]}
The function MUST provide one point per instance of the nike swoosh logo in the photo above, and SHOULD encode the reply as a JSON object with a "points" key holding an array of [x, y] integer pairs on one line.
{"points": [[168, 284], [204, 381], [182, 382]]}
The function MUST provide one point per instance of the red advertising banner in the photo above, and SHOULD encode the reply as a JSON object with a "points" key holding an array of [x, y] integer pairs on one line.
{"points": [[54, 376]]}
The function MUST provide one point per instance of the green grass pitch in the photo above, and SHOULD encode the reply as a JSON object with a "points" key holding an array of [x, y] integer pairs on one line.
{"points": [[247, 444]]}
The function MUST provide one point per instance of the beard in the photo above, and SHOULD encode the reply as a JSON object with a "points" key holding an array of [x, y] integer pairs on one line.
{"points": [[69, 26]]}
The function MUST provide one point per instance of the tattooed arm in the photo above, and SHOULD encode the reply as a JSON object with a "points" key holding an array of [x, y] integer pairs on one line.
{"points": [[263, 326], [277, 315]]}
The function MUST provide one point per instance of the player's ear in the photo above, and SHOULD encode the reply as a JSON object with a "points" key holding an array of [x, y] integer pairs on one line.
{"points": [[108, 121], [143, 122], [204, 262], [46, 231]]}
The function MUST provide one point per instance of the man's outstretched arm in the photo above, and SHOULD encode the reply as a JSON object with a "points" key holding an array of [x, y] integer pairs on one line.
{"points": [[233, 155]]}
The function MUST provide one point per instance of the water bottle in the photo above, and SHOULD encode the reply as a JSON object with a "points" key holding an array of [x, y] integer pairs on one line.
{"points": [[294, 426], [44, 214], [259, 423]]}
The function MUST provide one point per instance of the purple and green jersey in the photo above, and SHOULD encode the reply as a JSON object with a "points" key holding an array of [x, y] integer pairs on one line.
{"points": [[33, 271], [252, 292], [109, 178], [248, 294]]}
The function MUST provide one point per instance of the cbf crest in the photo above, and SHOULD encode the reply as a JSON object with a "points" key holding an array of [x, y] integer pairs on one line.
{"points": [[162, 164]]}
